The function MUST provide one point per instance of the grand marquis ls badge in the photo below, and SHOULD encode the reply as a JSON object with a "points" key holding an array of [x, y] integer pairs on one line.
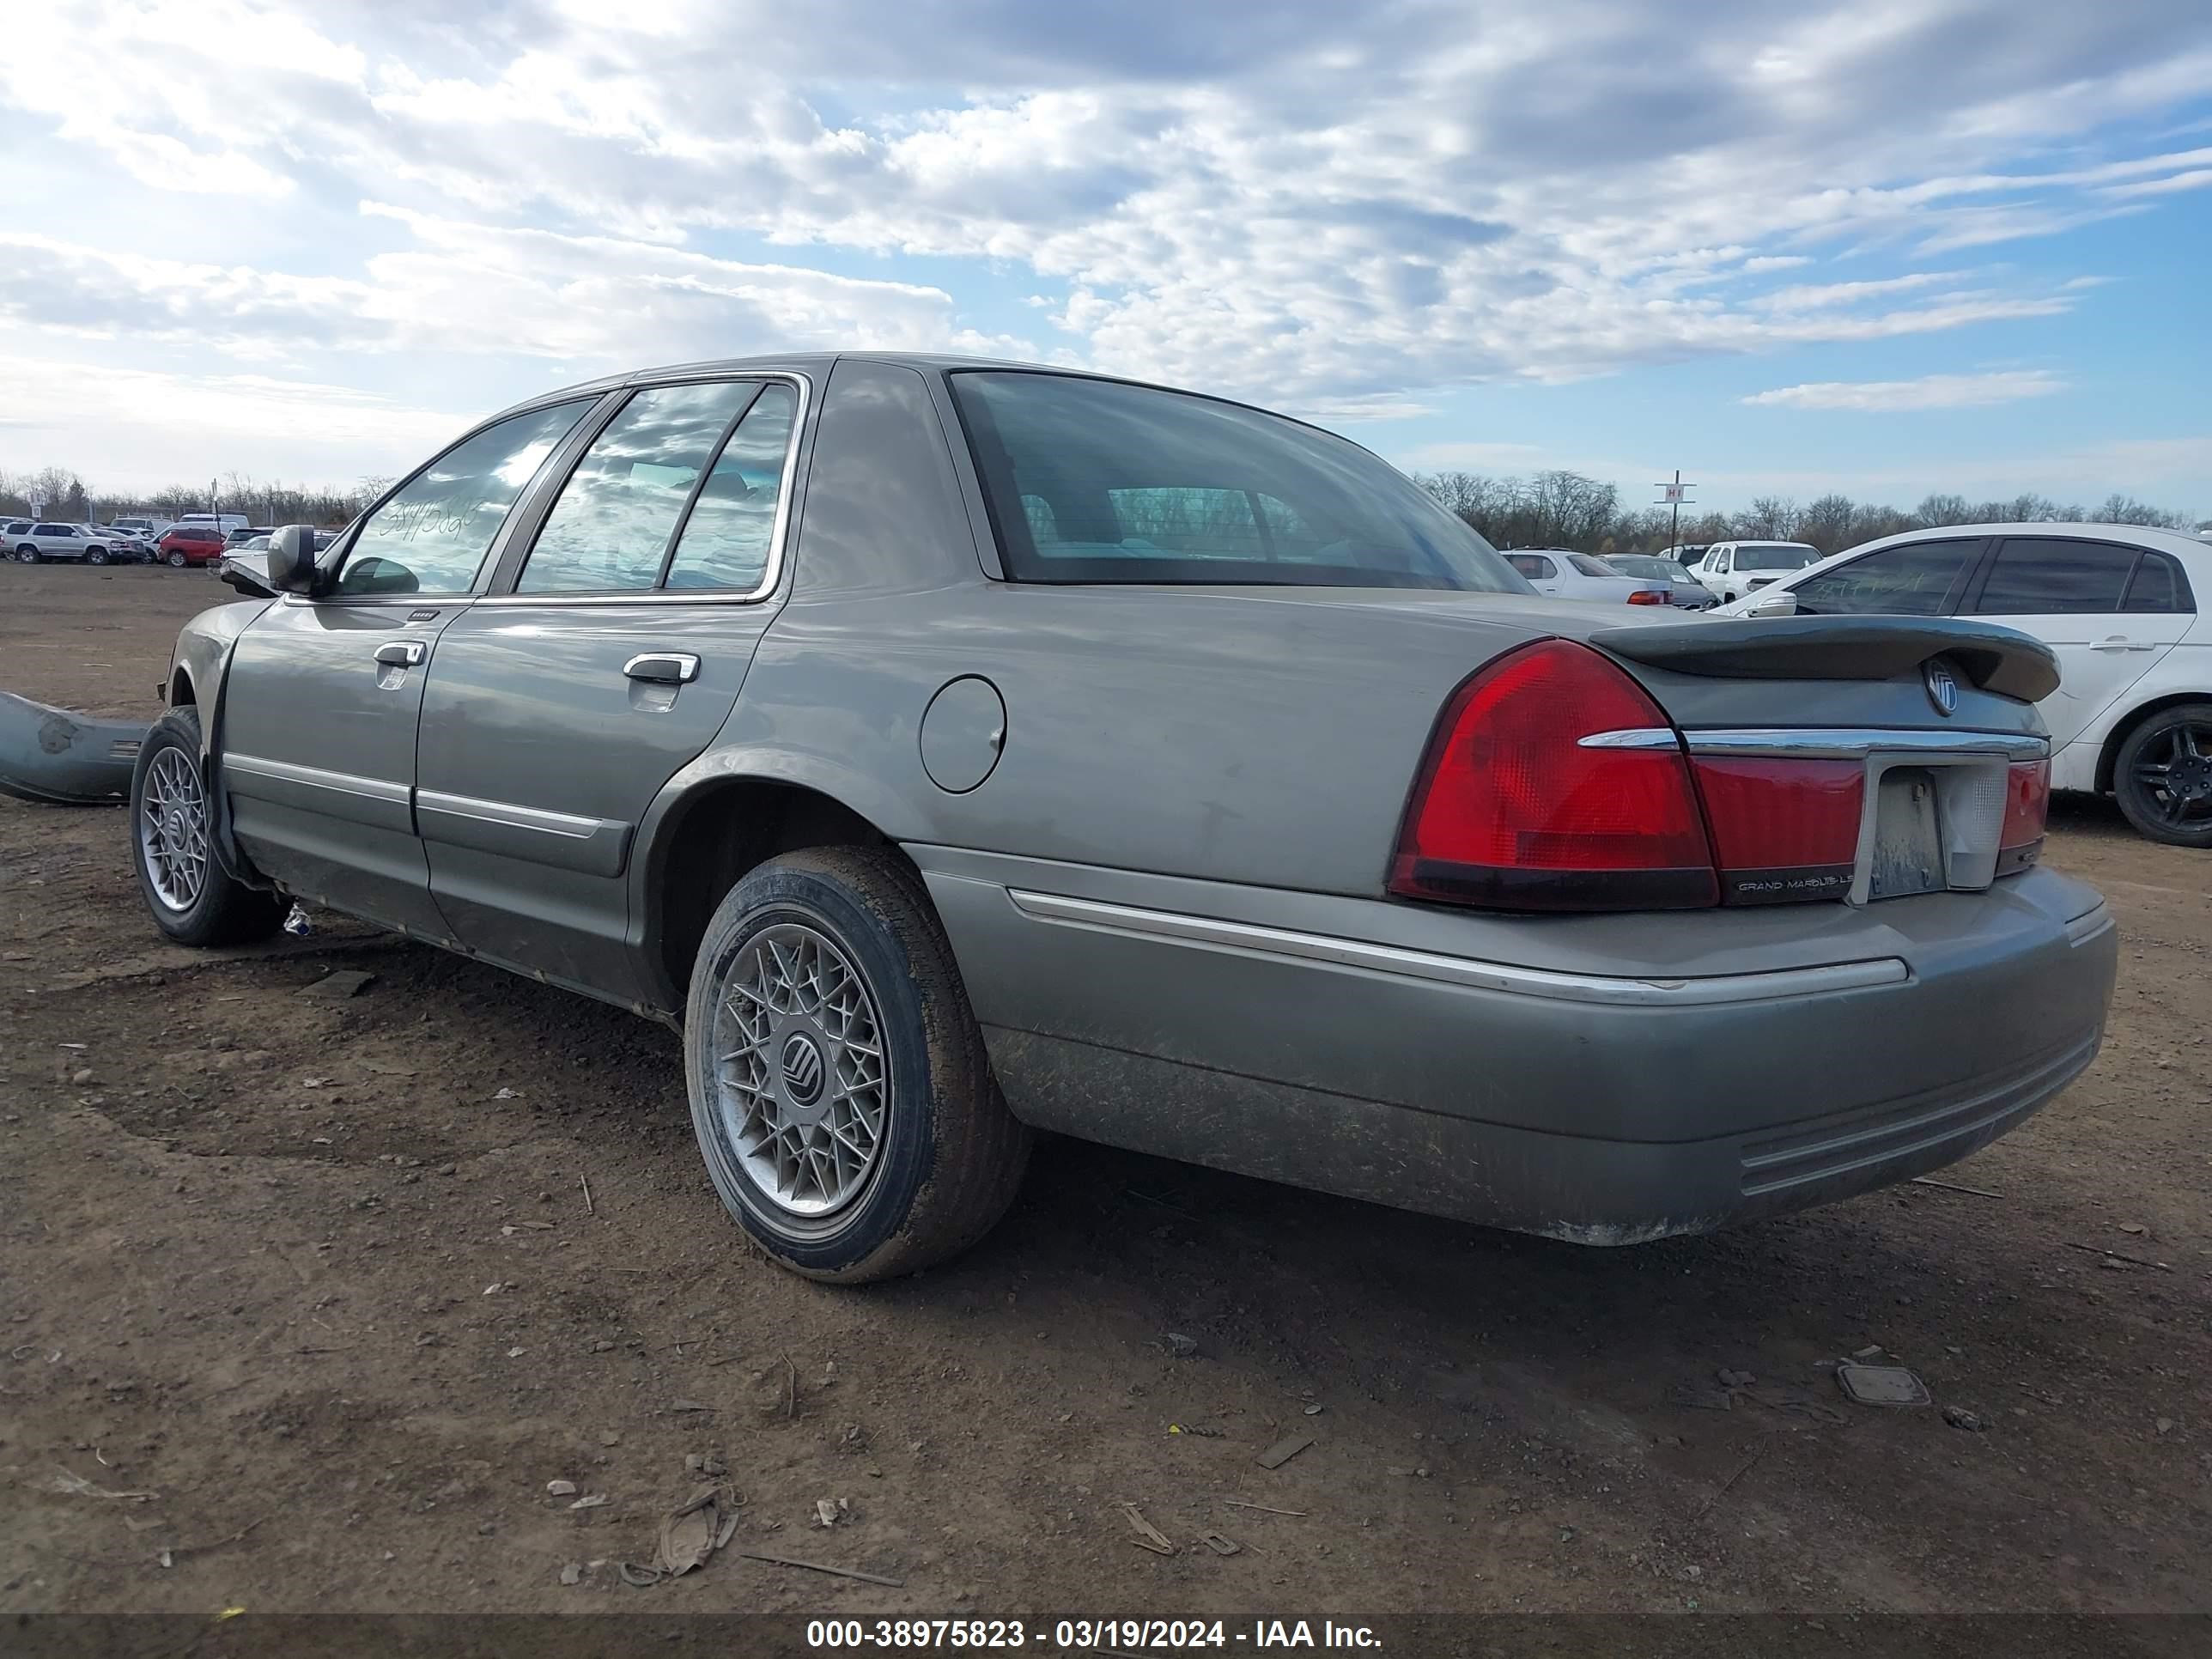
{"points": [[1942, 688]]}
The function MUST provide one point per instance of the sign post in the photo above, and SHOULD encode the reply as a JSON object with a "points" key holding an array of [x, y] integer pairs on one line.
{"points": [[1674, 494]]}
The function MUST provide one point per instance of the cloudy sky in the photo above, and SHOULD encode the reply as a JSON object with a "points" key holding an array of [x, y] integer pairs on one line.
{"points": [[1888, 246]]}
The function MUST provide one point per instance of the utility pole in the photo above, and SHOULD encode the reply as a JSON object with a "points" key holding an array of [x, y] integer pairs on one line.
{"points": [[1672, 495]]}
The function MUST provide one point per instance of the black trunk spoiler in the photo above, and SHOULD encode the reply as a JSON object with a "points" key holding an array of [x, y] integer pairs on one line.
{"points": [[1994, 659]]}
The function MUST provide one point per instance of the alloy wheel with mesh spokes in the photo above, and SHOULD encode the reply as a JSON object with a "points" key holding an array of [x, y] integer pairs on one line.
{"points": [[800, 1070], [173, 831]]}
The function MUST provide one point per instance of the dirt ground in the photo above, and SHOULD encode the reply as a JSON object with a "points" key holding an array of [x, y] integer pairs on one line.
{"points": [[321, 1278]]}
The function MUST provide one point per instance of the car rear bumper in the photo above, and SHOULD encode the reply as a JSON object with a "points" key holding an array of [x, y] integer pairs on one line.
{"points": [[1602, 1079]]}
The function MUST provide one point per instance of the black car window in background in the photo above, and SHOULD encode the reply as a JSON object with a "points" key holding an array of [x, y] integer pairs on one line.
{"points": [[2046, 575], [432, 535], [609, 530], [2158, 588], [1590, 565], [1534, 566], [1911, 581], [1143, 485], [52, 530], [725, 539], [1789, 555]]}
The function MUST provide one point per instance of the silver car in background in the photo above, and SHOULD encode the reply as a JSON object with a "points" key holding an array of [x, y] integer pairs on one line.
{"points": [[1684, 591], [949, 750], [1560, 573]]}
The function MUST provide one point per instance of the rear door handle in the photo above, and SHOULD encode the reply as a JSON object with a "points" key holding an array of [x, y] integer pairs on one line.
{"points": [[664, 667], [2121, 642], [399, 654]]}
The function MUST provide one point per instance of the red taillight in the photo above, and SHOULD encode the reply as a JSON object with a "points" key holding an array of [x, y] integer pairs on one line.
{"points": [[1511, 810], [2027, 804], [1784, 830], [1645, 596]]}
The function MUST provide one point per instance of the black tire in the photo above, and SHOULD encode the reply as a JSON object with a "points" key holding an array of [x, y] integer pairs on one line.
{"points": [[225, 910], [2180, 813], [27, 554], [97, 555], [177, 561], [950, 1156]]}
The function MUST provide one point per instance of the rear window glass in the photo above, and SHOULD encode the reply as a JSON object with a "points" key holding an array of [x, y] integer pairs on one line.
{"points": [[1093, 481], [1792, 557], [2036, 575], [1590, 566]]}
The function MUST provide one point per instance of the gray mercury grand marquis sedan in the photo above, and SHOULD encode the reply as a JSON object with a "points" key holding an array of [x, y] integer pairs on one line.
{"points": [[951, 750]]}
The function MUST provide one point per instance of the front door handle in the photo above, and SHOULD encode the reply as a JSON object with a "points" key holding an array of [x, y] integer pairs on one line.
{"points": [[2121, 642], [664, 667], [400, 653]]}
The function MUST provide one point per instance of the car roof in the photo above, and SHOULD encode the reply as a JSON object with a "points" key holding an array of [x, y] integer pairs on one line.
{"points": [[819, 363]]}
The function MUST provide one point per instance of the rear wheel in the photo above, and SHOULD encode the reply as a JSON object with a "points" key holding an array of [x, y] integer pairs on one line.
{"points": [[193, 899], [2162, 776], [27, 554], [840, 1089]]}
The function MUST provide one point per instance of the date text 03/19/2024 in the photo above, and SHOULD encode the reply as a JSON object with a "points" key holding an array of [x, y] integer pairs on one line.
{"points": [[1086, 1635]]}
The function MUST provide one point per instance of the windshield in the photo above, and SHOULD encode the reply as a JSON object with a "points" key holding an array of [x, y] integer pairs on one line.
{"points": [[1093, 481], [1782, 556]]}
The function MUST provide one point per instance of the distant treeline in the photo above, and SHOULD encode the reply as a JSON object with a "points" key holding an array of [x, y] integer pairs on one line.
{"points": [[68, 498], [1566, 509]]}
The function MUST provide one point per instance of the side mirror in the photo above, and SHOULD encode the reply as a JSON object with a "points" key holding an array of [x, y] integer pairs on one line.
{"points": [[1773, 603], [292, 560]]}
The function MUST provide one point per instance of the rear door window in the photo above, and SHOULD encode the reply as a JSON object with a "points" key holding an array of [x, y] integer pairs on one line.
{"points": [[728, 538], [1915, 579], [431, 535], [2049, 576], [1534, 566], [2158, 587]]}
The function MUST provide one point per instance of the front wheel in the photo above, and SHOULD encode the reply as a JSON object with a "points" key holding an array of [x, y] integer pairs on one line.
{"points": [[98, 556], [193, 899], [2162, 776], [177, 561], [840, 1089]]}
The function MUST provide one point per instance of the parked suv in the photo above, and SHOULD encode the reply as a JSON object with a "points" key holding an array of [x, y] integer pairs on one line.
{"points": [[949, 750], [2120, 607], [1732, 569], [190, 543], [44, 541]]}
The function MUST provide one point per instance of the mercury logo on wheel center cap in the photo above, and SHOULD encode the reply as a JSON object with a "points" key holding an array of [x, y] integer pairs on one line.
{"points": [[802, 1072]]}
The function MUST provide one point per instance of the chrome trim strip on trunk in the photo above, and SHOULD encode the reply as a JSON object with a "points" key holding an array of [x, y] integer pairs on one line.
{"points": [[1816, 743], [314, 777], [1207, 932]]}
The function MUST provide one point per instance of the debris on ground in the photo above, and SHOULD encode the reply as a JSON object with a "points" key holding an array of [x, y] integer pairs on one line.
{"points": [[1732, 1379], [819, 1566], [693, 1530], [573, 1573], [296, 921], [2135, 1227], [339, 984], [1182, 1347], [561, 1488], [829, 1511], [1959, 1418], [1149, 1537], [592, 1502], [1881, 1385], [1284, 1450], [1220, 1545], [1264, 1508], [77, 1486], [1315, 1411], [1203, 1433]]}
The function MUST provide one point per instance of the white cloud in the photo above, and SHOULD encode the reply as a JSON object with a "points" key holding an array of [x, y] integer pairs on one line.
{"points": [[1341, 210], [1928, 392]]}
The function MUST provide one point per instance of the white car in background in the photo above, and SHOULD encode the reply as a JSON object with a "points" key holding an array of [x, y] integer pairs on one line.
{"points": [[1569, 576], [1684, 591], [1732, 569], [2118, 604]]}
